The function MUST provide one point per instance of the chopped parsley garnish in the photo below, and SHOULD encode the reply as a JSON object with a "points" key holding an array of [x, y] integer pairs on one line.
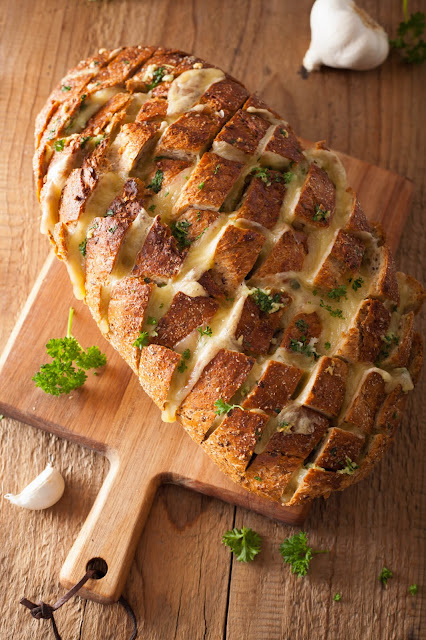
{"points": [[156, 182], [67, 371], [82, 247], [216, 169], [296, 552], [65, 87], [302, 325], [205, 332], [357, 284], [337, 597], [327, 345], [245, 543], [338, 292], [266, 302], [413, 589], [142, 340], [409, 40], [385, 575], [152, 208], [223, 407], [157, 76], [180, 232], [284, 133], [258, 478], [321, 213], [83, 141], [288, 176], [185, 356], [284, 426], [350, 467], [263, 174], [151, 320], [335, 313], [113, 229], [201, 185], [83, 101], [301, 346], [389, 340], [59, 144]]}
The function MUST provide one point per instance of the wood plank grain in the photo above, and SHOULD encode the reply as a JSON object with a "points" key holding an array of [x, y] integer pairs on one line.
{"points": [[373, 115]]}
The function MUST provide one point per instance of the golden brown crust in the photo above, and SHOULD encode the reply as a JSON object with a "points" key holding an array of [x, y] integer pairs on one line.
{"points": [[326, 388], [288, 254], [366, 400], [363, 340], [160, 256], [235, 255], [274, 388], [126, 316], [256, 328], [263, 199], [185, 314], [343, 260], [197, 412], [317, 200], [157, 366], [232, 443]]}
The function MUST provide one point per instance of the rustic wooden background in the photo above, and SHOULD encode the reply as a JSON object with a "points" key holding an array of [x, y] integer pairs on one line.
{"points": [[184, 583]]}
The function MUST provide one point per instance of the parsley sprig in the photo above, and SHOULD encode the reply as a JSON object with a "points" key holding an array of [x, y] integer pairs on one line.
{"points": [[157, 77], [223, 407], [70, 361], [245, 543], [157, 181], [385, 575], [409, 40], [296, 552], [266, 302], [180, 232]]}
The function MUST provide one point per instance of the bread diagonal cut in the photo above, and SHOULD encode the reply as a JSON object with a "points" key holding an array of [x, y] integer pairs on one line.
{"points": [[233, 270]]}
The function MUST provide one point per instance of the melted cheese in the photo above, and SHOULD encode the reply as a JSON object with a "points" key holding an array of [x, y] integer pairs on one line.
{"points": [[188, 88]]}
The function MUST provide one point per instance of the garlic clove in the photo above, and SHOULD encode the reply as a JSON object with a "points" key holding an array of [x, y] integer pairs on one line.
{"points": [[344, 36], [43, 492]]}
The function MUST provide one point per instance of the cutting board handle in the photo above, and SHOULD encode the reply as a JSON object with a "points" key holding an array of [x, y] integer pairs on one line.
{"points": [[113, 527]]}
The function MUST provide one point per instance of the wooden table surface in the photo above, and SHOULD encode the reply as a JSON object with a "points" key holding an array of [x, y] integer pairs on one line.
{"points": [[184, 584]]}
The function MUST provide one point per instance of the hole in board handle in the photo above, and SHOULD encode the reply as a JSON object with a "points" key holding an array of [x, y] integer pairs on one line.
{"points": [[99, 565]]}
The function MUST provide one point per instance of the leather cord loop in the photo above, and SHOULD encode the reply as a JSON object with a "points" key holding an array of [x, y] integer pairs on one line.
{"points": [[44, 611]]}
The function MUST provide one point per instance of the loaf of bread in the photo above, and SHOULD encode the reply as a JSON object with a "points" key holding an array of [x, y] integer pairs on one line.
{"points": [[233, 270]]}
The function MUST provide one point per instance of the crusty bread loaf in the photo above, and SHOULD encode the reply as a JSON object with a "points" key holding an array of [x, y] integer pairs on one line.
{"points": [[187, 210]]}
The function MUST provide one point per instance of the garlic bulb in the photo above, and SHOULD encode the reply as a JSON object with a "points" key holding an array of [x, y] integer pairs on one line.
{"points": [[344, 36], [42, 492]]}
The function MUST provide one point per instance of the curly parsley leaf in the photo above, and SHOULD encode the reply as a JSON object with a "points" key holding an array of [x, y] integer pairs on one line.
{"points": [[266, 302], [385, 575], [70, 361], [337, 597], [335, 313], [180, 232], [245, 543], [156, 182], [223, 407], [357, 284], [157, 77], [349, 468], [205, 332], [338, 292], [142, 340], [409, 40], [296, 552]]}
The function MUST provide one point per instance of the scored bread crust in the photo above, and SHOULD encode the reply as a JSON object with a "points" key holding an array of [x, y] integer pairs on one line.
{"points": [[188, 210]]}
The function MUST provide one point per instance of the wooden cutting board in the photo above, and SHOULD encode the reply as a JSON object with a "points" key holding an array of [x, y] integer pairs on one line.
{"points": [[112, 414]]}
